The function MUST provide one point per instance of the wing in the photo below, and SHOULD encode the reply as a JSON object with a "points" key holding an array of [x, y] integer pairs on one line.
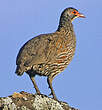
{"points": [[38, 50]]}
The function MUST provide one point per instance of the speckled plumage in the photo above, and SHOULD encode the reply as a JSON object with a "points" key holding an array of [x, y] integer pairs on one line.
{"points": [[49, 54]]}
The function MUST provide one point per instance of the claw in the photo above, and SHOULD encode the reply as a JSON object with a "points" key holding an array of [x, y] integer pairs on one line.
{"points": [[38, 93], [50, 94]]}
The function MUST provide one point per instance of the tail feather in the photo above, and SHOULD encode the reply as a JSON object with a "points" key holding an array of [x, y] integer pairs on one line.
{"points": [[19, 71]]}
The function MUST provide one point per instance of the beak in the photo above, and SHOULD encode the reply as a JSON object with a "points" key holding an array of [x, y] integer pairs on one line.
{"points": [[81, 15]]}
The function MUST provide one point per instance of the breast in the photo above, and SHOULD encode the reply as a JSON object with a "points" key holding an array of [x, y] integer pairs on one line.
{"points": [[65, 52]]}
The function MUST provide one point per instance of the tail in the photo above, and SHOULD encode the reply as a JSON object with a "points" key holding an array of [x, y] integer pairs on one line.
{"points": [[19, 71]]}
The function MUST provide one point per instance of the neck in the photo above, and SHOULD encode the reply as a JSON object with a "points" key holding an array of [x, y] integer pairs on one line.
{"points": [[65, 23]]}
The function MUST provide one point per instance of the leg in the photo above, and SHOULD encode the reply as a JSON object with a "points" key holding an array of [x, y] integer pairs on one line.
{"points": [[34, 83], [49, 80]]}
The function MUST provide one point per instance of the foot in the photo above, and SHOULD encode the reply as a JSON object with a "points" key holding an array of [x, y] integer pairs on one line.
{"points": [[54, 96]]}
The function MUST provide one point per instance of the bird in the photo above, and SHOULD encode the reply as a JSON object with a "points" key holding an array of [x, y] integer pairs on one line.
{"points": [[49, 54]]}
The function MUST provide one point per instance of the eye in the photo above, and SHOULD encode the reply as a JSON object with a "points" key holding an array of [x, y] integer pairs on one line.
{"points": [[74, 12]]}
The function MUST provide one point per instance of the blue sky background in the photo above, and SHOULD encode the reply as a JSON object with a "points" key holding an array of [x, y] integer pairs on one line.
{"points": [[81, 83]]}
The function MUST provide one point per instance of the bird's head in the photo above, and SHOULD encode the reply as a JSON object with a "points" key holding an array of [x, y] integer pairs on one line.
{"points": [[72, 13]]}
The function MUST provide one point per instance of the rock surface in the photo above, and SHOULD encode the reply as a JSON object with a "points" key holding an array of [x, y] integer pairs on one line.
{"points": [[27, 101]]}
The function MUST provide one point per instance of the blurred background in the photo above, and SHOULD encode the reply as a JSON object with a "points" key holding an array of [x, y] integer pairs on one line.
{"points": [[80, 85]]}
